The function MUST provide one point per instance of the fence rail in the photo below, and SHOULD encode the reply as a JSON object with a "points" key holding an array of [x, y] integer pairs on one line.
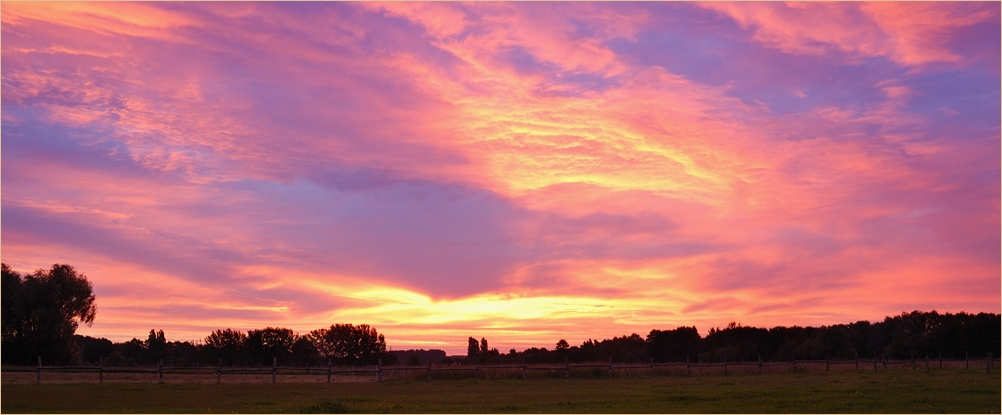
{"points": [[378, 371]]}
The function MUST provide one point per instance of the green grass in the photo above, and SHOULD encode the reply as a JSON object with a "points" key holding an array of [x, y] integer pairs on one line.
{"points": [[894, 391]]}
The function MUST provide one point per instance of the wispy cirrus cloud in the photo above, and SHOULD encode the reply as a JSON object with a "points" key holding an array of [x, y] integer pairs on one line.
{"points": [[907, 33]]}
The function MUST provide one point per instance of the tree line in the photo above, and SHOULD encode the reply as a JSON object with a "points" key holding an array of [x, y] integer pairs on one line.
{"points": [[339, 344], [907, 336], [42, 310]]}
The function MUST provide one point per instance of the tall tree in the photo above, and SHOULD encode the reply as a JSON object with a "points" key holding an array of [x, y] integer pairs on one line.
{"points": [[11, 285], [473, 350], [41, 312], [156, 346]]}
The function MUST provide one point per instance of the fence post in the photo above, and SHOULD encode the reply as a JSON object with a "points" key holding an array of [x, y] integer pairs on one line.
{"points": [[652, 366], [567, 369], [725, 365], [988, 364], [610, 366], [379, 370], [100, 370], [884, 358], [160, 370], [429, 368], [760, 364], [794, 365], [967, 364], [329, 370], [523, 372], [927, 362], [38, 375], [219, 372], [940, 360], [827, 365], [688, 368], [274, 368]]}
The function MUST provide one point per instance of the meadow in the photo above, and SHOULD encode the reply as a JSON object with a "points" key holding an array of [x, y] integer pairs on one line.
{"points": [[892, 391]]}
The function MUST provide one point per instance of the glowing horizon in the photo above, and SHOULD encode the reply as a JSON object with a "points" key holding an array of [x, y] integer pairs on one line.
{"points": [[524, 172]]}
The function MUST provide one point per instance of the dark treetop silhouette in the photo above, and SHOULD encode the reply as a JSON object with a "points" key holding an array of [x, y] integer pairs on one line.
{"points": [[41, 312]]}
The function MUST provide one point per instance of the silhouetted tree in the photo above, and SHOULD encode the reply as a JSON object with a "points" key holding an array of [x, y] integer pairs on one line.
{"points": [[325, 349], [132, 352], [304, 352], [734, 343], [676, 345], [562, 345], [92, 350], [156, 346], [265, 344], [981, 333], [349, 344], [41, 312], [413, 360], [182, 354], [226, 345], [473, 350], [423, 356]]}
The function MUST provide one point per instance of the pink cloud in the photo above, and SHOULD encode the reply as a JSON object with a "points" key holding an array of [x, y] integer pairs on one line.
{"points": [[907, 32], [921, 32], [475, 34]]}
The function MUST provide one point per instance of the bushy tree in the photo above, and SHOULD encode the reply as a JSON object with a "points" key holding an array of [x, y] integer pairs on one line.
{"points": [[93, 350], [304, 352], [226, 345], [268, 343], [563, 345], [349, 344], [130, 353], [676, 345], [182, 353], [41, 312], [413, 360]]}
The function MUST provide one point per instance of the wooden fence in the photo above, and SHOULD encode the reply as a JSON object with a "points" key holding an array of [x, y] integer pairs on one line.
{"points": [[605, 369]]}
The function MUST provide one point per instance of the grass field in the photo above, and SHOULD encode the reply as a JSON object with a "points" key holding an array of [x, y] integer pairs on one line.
{"points": [[893, 391]]}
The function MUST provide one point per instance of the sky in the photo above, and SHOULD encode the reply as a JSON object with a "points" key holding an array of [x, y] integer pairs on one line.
{"points": [[524, 172]]}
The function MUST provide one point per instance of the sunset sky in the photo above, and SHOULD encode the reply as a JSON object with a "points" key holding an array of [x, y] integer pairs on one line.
{"points": [[524, 172]]}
